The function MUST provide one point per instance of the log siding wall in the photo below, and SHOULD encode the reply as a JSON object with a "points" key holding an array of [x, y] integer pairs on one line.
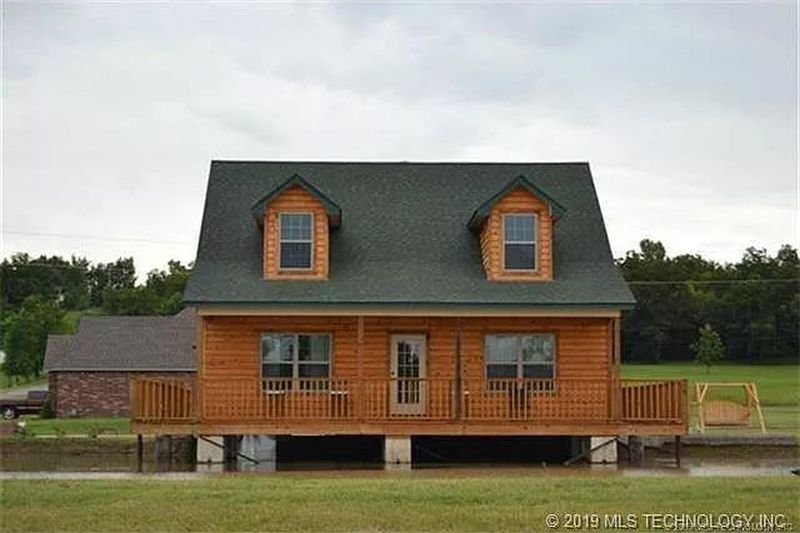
{"points": [[231, 346], [296, 200], [491, 238]]}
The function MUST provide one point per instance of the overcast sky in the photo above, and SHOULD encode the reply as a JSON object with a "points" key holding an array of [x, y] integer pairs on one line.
{"points": [[112, 112]]}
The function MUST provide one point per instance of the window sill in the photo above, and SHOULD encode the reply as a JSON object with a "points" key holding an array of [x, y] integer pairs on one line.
{"points": [[304, 274], [543, 387], [520, 275], [285, 392]]}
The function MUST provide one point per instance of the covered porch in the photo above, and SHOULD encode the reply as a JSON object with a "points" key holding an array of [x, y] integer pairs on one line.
{"points": [[403, 406]]}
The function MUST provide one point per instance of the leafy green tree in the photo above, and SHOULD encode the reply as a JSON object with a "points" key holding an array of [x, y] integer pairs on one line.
{"points": [[52, 278], [25, 335], [162, 293], [168, 287], [708, 348], [664, 320], [121, 274], [753, 304], [129, 301]]}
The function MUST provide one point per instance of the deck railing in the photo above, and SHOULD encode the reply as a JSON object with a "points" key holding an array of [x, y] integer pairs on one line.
{"points": [[659, 401], [165, 400]]}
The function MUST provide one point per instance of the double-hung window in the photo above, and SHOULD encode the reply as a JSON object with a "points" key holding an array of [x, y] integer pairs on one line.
{"points": [[287, 358], [514, 356], [296, 241], [519, 242]]}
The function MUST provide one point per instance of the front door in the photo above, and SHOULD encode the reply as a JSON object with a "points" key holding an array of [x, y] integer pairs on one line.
{"points": [[408, 386]]}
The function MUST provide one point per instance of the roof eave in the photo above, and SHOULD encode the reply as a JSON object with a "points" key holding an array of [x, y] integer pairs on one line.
{"points": [[623, 305]]}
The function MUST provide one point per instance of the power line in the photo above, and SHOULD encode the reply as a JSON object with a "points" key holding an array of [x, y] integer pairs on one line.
{"points": [[93, 237], [639, 282], [715, 282], [106, 266]]}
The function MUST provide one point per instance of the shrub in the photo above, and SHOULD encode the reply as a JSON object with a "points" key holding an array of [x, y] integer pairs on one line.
{"points": [[708, 348], [47, 410]]}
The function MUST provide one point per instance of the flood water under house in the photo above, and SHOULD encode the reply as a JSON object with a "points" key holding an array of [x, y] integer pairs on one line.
{"points": [[405, 300]]}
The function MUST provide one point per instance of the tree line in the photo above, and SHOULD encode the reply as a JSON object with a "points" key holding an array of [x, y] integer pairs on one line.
{"points": [[753, 305], [48, 295]]}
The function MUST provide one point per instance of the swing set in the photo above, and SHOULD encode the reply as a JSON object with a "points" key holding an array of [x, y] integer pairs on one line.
{"points": [[726, 411]]}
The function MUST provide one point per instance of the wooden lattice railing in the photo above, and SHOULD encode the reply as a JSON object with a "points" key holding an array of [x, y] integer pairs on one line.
{"points": [[656, 401], [373, 400]]}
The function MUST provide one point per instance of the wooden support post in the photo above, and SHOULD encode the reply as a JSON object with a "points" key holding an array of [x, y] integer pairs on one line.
{"points": [[616, 357], [360, 397], [635, 450], [753, 394], [699, 395], [139, 453], [459, 393], [678, 451], [199, 393]]}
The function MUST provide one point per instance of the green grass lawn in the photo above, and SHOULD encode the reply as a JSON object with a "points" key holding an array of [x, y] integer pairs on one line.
{"points": [[778, 389], [7, 382], [77, 426], [777, 384], [381, 502]]}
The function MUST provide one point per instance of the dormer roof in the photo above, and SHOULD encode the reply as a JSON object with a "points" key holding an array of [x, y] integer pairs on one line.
{"points": [[485, 209], [331, 208]]}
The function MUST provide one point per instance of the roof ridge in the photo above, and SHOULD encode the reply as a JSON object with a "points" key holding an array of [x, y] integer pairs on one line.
{"points": [[394, 162]]}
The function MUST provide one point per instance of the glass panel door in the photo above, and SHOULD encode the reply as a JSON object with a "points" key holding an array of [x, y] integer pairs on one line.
{"points": [[408, 385]]}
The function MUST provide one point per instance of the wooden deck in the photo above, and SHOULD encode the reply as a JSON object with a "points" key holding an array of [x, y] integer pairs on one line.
{"points": [[409, 406]]}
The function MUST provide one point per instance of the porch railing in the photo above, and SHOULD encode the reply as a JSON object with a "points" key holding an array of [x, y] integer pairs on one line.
{"points": [[535, 400], [659, 401], [164, 399]]}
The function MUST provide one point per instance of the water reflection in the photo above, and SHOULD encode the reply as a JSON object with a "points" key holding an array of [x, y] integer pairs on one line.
{"points": [[119, 462]]}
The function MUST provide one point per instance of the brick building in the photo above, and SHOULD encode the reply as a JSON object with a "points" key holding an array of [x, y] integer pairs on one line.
{"points": [[89, 372]]}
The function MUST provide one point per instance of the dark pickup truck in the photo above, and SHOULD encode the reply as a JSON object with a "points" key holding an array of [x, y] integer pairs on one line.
{"points": [[31, 404]]}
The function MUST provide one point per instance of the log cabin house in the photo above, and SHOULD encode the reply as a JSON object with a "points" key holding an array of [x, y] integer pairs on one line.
{"points": [[405, 300]]}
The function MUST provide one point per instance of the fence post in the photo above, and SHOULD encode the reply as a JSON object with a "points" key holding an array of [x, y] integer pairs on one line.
{"points": [[132, 398], [457, 393]]}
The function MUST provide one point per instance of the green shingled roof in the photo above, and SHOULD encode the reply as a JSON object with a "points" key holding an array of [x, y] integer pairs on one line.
{"points": [[404, 237], [483, 212], [333, 210]]}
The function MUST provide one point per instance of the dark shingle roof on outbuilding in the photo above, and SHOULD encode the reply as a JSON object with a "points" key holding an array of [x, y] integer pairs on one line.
{"points": [[405, 239], [135, 343], [57, 350]]}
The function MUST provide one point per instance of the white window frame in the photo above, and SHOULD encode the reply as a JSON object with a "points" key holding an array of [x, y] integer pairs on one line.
{"points": [[310, 266], [295, 377], [534, 243], [519, 360]]}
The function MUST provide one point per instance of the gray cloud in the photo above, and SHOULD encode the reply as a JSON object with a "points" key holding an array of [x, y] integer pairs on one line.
{"points": [[112, 112]]}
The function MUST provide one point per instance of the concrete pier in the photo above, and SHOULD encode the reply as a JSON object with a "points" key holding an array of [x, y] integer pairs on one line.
{"points": [[250, 452], [262, 448], [397, 450], [603, 450], [208, 453]]}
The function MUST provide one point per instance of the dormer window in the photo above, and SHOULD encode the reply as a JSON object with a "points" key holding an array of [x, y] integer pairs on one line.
{"points": [[519, 242], [296, 219], [515, 229], [296, 241]]}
